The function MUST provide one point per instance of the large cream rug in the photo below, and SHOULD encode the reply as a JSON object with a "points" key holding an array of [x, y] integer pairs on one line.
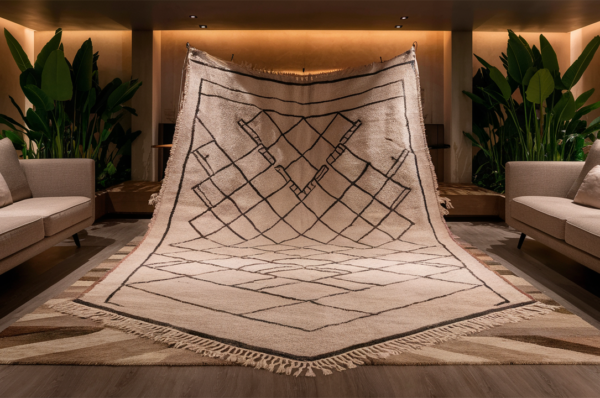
{"points": [[299, 228]]}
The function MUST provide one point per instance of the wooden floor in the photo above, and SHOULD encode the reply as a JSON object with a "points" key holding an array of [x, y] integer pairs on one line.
{"points": [[31, 284]]}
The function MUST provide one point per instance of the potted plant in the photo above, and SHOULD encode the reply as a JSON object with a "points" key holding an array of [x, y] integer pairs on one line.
{"points": [[544, 123], [72, 116]]}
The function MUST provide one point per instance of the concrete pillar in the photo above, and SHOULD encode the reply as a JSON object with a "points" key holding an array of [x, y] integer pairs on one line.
{"points": [[458, 76], [145, 65]]}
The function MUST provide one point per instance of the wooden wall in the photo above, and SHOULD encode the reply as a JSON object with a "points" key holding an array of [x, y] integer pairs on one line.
{"points": [[316, 51]]}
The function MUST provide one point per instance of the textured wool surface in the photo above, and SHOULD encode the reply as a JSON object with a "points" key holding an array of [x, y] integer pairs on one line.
{"points": [[46, 336], [299, 221]]}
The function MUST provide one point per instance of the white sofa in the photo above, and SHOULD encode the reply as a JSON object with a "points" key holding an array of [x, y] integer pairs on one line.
{"points": [[539, 204], [61, 205]]}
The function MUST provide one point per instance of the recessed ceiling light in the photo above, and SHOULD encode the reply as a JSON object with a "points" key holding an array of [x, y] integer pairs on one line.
{"points": [[404, 18], [203, 27], [193, 16], [398, 26]]}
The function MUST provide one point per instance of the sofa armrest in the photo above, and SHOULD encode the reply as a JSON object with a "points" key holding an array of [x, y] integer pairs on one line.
{"points": [[539, 179], [60, 177]]}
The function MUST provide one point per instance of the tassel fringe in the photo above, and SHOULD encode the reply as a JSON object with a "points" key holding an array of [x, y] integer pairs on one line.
{"points": [[280, 365]]}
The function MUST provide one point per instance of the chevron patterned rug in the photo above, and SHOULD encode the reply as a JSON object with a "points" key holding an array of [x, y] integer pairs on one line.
{"points": [[299, 228]]}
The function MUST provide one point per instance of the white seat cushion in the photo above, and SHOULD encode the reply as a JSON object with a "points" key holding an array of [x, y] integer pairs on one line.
{"points": [[18, 233], [584, 234], [58, 213], [549, 214]]}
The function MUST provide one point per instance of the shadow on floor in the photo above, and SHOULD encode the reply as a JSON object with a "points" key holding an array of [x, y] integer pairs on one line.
{"points": [[552, 272], [29, 279], [577, 273]]}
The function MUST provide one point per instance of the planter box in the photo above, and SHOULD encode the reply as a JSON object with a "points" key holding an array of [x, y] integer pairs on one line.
{"points": [[129, 197], [470, 200]]}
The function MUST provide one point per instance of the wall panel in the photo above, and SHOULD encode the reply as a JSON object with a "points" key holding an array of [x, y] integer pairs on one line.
{"points": [[316, 51]]}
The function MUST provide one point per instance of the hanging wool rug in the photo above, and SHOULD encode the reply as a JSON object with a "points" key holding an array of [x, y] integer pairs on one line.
{"points": [[299, 227]]}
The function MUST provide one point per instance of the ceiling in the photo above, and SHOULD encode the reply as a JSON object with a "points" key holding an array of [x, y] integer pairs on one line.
{"points": [[482, 15]]}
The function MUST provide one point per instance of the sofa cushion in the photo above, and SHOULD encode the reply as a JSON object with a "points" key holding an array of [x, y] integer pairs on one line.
{"points": [[18, 233], [589, 191], [548, 214], [593, 159], [12, 172], [58, 214], [5, 196], [584, 234]]}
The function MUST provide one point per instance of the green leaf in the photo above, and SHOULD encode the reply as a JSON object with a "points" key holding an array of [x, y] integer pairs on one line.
{"points": [[38, 98], [122, 94], [91, 99], [595, 121], [476, 143], [17, 52], [540, 87], [17, 106], [526, 45], [575, 71], [56, 77], [498, 78], [35, 121], [519, 57], [590, 130], [110, 169], [115, 97], [582, 99], [494, 95], [102, 98], [549, 58], [565, 108], [10, 122], [133, 112], [586, 109], [473, 97], [16, 139], [528, 75], [28, 77], [82, 66], [51, 46]]}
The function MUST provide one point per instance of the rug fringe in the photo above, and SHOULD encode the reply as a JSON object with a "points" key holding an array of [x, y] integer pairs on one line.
{"points": [[280, 365]]}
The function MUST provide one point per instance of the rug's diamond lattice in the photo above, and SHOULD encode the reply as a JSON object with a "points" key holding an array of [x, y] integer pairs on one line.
{"points": [[301, 220]]}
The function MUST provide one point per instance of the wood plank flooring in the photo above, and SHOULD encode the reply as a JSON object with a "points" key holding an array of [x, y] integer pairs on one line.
{"points": [[34, 282], [567, 282], [31, 284], [383, 381]]}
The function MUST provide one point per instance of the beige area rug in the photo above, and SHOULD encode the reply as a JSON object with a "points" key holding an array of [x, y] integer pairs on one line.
{"points": [[49, 337], [299, 228]]}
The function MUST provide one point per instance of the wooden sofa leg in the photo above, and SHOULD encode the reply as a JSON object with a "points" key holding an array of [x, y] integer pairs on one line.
{"points": [[76, 239], [521, 240]]}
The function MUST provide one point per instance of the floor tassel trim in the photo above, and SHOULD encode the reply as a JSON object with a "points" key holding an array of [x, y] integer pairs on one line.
{"points": [[280, 365]]}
